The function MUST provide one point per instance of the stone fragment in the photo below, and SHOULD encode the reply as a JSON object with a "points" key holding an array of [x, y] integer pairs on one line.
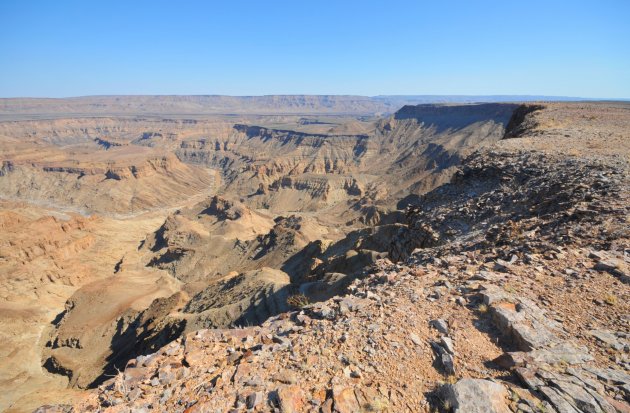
{"points": [[285, 376], [582, 399], [344, 399], [254, 399], [327, 406], [446, 359], [440, 325], [556, 399], [324, 312], [477, 396], [283, 341], [447, 344], [502, 265], [290, 399], [608, 338], [448, 362], [415, 339]]}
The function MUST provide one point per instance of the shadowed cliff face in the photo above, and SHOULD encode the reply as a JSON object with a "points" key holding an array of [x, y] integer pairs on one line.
{"points": [[458, 116], [410, 151]]}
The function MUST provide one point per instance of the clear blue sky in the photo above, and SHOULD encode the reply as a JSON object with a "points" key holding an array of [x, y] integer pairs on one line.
{"points": [[62, 48]]}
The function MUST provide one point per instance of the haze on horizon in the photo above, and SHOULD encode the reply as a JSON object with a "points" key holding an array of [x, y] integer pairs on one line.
{"points": [[73, 48]]}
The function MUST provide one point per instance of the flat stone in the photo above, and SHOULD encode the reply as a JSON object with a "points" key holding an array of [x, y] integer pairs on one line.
{"points": [[486, 276], [556, 399], [581, 398], [502, 266], [610, 375], [351, 303], [609, 338], [284, 341], [598, 255], [477, 396], [565, 352], [415, 339], [528, 376], [285, 376]]}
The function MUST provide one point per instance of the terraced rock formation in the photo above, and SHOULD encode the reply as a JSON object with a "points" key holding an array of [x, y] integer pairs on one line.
{"points": [[424, 260], [518, 304]]}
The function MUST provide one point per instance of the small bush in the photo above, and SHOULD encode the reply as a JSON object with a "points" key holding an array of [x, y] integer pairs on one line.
{"points": [[297, 300], [610, 299]]}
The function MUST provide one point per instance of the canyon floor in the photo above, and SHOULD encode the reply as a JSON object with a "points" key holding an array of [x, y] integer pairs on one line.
{"points": [[312, 254]]}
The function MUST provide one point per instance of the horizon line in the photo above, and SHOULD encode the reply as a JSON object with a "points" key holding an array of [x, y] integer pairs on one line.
{"points": [[538, 96]]}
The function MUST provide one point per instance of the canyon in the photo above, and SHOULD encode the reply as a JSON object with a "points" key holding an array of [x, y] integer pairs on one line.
{"points": [[313, 253]]}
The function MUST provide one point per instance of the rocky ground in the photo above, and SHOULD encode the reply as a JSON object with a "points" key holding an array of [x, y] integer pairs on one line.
{"points": [[506, 290]]}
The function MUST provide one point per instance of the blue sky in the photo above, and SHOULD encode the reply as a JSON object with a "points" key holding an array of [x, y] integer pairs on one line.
{"points": [[73, 48]]}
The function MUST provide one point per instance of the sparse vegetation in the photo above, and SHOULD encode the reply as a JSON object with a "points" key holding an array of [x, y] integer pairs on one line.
{"points": [[509, 288], [482, 308], [452, 379], [297, 301], [610, 299], [377, 405]]}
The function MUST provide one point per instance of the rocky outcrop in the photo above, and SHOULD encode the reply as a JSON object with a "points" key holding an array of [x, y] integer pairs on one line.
{"points": [[217, 236], [577, 387], [503, 194], [246, 299]]}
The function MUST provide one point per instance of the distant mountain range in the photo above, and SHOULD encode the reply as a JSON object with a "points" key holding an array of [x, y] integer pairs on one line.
{"points": [[199, 105]]}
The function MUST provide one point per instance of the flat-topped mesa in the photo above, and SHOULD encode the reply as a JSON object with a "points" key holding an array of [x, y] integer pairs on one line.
{"points": [[112, 170], [458, 115], [312, 139], [444, 118]]}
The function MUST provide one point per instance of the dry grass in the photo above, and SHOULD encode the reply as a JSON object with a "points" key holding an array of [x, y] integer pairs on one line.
{"points": [[610, 299], [297, 301], [377, 405]]}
